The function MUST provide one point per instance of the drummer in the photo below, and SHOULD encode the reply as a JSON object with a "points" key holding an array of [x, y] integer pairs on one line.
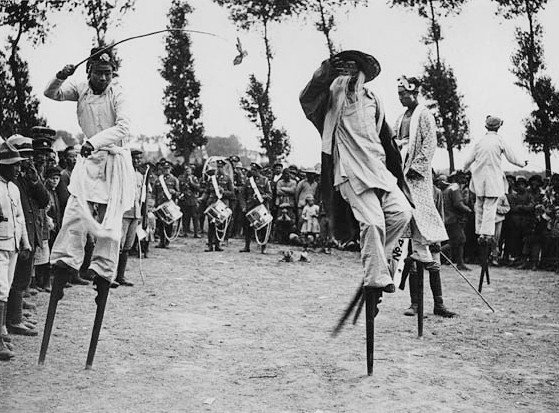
{"points": [[165, 188], [250, 199], [222, 189]]}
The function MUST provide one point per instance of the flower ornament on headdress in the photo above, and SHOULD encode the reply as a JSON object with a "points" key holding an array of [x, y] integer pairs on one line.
{"points": [[105, 58], [403, 81]]}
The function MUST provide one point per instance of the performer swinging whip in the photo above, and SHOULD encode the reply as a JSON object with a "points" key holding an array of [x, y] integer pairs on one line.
{"points": [[102, 185]]}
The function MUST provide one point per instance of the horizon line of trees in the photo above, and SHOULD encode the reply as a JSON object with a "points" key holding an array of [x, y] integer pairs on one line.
{"points": [[28, 21]]}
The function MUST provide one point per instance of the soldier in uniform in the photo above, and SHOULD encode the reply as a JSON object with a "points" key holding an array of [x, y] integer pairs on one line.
{"points": [[130, 221], [249, 199], [224, 191], [163, 193], [239, 179], [189, 186]]}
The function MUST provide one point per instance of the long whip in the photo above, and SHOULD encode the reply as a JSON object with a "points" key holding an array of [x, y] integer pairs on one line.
{"points": [[238, 59]]}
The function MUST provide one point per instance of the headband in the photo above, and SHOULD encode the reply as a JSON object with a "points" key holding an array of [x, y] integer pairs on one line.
{"points": [[403, 81]]}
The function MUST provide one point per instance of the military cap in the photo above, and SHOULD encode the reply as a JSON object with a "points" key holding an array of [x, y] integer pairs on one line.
{"points": [[54, 171], [234, 159], [165, 163], [285, 205], [256, 165], [220, 162], [42, 145], [537, 178], [293, 168], [23, 144], [521, 178], [135, 151], [42, 132], [278, 164]]}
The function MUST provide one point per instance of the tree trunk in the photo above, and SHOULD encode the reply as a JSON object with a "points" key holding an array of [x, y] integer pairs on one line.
{"points": [[186, 155], [450, 159], [547, 157], [325, 29]]}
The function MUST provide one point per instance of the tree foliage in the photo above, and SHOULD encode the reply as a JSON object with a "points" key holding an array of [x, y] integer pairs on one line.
{"points": [[249, 14], [439, 82], [528, 66], [100, 15], [220, 146], [323, 11], [274, 141], [439, 85], [26, 19], [183, 109]]}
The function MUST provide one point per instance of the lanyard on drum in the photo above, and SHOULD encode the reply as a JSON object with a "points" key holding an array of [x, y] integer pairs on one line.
{"points": [[165, 189], [256, 191], [216, 187]]}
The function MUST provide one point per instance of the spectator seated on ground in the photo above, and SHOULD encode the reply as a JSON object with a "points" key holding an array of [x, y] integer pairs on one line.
{"points": [[285, 224]]}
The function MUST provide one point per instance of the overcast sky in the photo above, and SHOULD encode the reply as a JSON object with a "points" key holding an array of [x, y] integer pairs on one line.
{"points": [[477, 44]]}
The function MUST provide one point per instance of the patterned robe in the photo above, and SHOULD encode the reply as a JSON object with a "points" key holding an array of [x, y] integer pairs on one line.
{"points": [[421, 149]]}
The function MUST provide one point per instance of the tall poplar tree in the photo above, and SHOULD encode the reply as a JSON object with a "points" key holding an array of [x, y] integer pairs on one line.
{"points": [[439, 82], [542, 126], [182, 93], [261, 14]]}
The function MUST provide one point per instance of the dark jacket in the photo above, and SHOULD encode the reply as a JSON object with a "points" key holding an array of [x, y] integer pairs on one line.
{"points": [[34, 198], [314, 100]]}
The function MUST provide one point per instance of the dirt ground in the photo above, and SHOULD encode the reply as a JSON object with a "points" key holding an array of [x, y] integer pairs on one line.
{"points": [[231, 332]]}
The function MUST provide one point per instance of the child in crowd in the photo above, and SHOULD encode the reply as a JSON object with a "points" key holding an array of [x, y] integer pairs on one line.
{"points": [[285, 224], [311, 227]]}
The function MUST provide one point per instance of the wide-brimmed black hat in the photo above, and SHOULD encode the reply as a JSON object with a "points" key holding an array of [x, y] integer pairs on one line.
{"points": [[366, 63]]}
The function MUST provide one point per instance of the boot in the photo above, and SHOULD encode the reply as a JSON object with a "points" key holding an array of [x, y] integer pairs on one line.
{"points": [[61, 275], [3, 331], [437, 290], [414, 291], [218, 247], [121, 269], [5, 352], [15, 323], [263, 249], [42, 274], [247, 246], [441, 310]]}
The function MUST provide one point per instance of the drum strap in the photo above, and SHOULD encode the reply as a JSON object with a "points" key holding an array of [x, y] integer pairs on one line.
{"points": [[216, 187], [144, 194], [164, 186], [256, 190]]}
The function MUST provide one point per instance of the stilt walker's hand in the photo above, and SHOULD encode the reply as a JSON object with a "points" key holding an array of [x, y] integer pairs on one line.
{"points": [[86, 150], [66, 72]]}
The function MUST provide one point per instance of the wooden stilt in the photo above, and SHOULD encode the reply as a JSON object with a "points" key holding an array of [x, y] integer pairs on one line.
{"points": [[371, 302], [419, 266], [485, 250]]}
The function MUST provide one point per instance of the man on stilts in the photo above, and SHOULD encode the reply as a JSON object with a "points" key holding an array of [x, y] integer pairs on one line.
{"points": [[361, 166], [417, 140], [102, 186]]}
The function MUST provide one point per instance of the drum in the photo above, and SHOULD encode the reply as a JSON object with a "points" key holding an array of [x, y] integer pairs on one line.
{"points": [[168, 212], [218, 211], [259, 217]]}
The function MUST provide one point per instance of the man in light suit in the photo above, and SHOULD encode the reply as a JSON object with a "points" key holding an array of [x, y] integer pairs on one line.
{"points": [[488, 181]]}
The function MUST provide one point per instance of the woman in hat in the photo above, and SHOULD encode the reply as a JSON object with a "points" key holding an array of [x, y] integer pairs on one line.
{"points": [[488, 181]]}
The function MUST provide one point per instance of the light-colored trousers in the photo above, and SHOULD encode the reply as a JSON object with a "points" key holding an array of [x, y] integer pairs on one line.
{"points": [[8, 261], [486, 214], [382, 218], [70, 241]]}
